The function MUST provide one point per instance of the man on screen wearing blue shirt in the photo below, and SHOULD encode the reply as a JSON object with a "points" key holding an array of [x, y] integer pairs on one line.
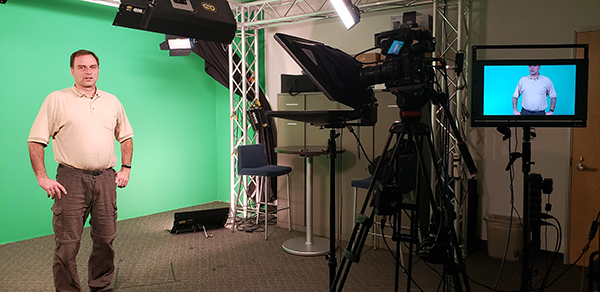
{"points": [[534, 88]]}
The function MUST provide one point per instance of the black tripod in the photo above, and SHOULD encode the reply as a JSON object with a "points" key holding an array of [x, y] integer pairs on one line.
{"points": [[388, 184]]}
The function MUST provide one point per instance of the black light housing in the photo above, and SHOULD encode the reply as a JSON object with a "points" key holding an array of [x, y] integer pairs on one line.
{"points": [[210, 20]]}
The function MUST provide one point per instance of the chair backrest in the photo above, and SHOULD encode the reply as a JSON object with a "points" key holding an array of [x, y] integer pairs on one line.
{"points": [[251, 156]]}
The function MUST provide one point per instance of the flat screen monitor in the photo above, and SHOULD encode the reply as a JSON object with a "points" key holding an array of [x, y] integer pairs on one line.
{"points": [[529, 93]]}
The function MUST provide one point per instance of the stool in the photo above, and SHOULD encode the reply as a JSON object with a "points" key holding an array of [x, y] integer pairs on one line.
{"points": [[252, 160]]}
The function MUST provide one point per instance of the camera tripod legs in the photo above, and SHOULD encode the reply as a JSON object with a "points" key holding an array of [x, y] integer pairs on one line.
{"points": [[386, 181]]}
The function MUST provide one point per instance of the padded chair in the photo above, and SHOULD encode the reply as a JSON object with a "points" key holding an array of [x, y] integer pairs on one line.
{"points": [[252, 161]]}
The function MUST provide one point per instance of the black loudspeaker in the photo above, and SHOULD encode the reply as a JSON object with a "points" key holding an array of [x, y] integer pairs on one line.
{"points": [[210, 20], [195, 220]]}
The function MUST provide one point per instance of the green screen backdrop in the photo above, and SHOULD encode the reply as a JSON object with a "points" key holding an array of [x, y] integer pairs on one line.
{"points": [[179, 114]]}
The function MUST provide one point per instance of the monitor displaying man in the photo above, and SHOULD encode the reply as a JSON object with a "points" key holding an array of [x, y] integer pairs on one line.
{"points": [[534, 88]]}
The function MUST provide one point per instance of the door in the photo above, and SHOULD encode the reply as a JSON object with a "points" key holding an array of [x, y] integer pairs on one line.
{"points": [[585, 173]]}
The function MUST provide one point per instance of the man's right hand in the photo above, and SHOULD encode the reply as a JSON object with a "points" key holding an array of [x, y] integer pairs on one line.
{"points": [[516, 113], [52, 187]]}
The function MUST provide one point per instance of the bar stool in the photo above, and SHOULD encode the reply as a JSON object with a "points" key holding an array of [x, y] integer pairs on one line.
{"points": [[252, 161]]}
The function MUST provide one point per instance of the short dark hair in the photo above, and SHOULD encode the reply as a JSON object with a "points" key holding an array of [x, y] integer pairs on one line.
{"points": [[81, 53]]}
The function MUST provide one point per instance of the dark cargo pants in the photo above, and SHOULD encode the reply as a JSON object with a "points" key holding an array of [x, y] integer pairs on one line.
{"points": [[88, 192]]}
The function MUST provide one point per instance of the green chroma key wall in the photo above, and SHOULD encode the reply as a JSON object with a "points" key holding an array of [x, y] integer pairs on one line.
{"points": [[179, 114]]}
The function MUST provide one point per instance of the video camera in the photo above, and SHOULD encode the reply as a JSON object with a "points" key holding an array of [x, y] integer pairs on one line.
{"points": [[405, 70]]}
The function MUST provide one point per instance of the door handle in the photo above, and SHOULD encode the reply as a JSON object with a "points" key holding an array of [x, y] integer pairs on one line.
{"points": [[582, 167]]}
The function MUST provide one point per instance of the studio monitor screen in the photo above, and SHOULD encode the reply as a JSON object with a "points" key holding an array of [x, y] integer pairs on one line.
{"points": [[210, 20], [523, 92]]}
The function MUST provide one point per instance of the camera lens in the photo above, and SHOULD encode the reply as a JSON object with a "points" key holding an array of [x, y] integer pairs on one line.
{"points": [[388, 71]]}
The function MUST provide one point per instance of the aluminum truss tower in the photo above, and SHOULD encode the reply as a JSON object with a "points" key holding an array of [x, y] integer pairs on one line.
{"points": [[244, 45], [252, 16], [451, 29]]}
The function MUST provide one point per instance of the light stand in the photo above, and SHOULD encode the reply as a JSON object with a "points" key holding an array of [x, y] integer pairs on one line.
{"points": [[332, 153]]}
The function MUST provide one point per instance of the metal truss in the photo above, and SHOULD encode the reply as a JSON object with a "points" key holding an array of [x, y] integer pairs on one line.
{"points": [[244, 45], [267, 13], [451, 29]]}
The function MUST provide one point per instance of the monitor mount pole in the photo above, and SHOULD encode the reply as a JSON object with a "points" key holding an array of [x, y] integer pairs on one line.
{"points": [[526, 272], [531, 239]]}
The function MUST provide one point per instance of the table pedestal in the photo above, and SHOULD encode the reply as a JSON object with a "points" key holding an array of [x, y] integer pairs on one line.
{"points": [[309, 245]]}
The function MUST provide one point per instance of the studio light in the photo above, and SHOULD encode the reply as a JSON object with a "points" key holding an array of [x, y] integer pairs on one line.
{"points": [[177, 46], [347, 11], [208, 20]]}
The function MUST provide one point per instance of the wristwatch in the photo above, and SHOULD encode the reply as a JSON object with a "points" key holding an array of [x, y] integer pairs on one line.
{"points": [[125, 166]]}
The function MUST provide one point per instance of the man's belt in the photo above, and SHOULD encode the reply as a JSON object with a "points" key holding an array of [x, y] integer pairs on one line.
{"points": [[95, 172]]}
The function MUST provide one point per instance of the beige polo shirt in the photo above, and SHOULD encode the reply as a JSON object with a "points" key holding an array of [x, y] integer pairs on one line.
{"points": [[83, 129]]}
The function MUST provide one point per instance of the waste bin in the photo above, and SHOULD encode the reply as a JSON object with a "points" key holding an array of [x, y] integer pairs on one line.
{"points": [[497, 236]]}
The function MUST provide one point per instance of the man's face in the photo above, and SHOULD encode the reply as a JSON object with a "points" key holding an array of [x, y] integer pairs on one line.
{"points": [[534, 69], [85, 71]]}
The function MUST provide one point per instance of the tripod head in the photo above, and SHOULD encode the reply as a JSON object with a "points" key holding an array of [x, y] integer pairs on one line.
{"points": [[411, 100]]}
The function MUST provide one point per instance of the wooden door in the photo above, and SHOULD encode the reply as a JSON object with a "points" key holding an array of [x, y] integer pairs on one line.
{"points": [[585, 185]]}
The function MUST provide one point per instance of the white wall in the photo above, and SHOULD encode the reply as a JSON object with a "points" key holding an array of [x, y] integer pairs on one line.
{"points": [[493, 22]]}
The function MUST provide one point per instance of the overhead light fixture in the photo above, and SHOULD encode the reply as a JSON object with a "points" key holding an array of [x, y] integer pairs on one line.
{"points": [[347, 11], [177, 46], [112, 3], [2, 1], [208, 20]]}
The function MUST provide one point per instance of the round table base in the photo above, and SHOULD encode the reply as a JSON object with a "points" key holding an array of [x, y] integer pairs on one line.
{"points": [[298, 246]]}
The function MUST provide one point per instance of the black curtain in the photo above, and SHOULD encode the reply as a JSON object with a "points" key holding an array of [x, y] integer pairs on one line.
{"points": [[216, 62]]}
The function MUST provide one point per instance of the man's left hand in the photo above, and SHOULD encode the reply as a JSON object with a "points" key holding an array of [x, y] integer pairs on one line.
{"points": [[549, 113], [122, 177]]}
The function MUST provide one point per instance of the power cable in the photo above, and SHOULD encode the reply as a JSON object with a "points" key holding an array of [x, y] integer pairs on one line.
{"points": [[351, 130], [593, 230], [556, 249]]}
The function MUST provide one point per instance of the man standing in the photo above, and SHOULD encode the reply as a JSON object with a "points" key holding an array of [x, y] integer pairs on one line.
{"points": [[83, 122], [535, 88]]}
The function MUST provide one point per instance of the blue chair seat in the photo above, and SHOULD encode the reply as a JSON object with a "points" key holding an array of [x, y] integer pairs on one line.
{"points": [[362, 183], [266, 170]]}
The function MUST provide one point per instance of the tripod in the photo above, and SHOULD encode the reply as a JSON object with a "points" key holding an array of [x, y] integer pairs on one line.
{"points": [[388, 185]]}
